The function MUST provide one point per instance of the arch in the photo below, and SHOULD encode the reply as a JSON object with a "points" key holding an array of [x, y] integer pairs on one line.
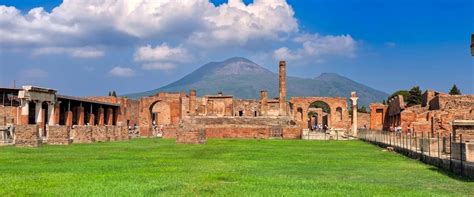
{"points": [[160, 112], [319, 113]]}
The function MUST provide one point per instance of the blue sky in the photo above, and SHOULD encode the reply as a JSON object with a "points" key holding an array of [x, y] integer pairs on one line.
{"points": [[387, 45]]}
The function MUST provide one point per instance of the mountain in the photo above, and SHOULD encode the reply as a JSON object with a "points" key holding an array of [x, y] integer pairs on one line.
{"points": [[244, 79]]}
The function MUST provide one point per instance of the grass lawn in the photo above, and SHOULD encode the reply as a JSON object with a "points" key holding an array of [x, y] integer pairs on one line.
{"points": [[220, 167]]}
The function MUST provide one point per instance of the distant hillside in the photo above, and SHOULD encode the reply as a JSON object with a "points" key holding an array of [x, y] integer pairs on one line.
{"points": [[244, 79]]}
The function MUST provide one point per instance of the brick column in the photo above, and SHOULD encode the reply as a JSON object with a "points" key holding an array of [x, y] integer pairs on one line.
{"points": [[192, 102], [110, 116], [80, 115], [263, 102], [69, 118], [25, 109], [282, 90], [101, 116], [91, 119], [118, 117], [51, 114], [57, 113], [354, 113]]}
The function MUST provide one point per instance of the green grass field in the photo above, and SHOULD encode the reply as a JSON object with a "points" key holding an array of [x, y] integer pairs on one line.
{"points": [[220, 167]]}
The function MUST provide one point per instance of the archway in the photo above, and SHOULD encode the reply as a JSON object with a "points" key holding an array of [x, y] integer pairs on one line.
{"points": [[320, 111], [160, 113]]}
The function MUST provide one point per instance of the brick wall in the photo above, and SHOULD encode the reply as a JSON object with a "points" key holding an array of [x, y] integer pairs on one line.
{"points": [[110, 133], [59, 135], [99, 133], [191, 137], [8, 115], [27, 136], [82, 134]]}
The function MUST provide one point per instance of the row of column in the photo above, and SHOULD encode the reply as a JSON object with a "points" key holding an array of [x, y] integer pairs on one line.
{"points": [[54, 115]]}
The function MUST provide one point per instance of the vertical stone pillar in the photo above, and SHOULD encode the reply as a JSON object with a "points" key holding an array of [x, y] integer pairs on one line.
{"points": [[51, 114], [80, 115], [282, 90], [38, 113], [263, 102], [91, 119], [57, 113], [110, 116], [354, 99], [69, 118], [101, 116], [192, 102], [25, 109], [118, 117]]}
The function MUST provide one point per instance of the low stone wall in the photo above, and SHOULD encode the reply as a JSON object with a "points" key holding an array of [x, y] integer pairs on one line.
{"points": [[110, 133], [238, 132], [99, 133], [27, 136], [292, 133], [82, 134], [191, 137], [59, 135]]}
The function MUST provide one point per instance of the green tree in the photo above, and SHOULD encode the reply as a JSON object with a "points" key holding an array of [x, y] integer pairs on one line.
{"points": [[404, 93], [362, 109], [415, 96], [114, 94], [384, 102], [455, 90], [110, 93]]}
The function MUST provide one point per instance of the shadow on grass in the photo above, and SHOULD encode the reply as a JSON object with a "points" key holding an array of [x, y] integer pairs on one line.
{"points": [[450, 174]]}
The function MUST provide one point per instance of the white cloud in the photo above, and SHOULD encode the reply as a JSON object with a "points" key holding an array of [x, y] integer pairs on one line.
{"points": [[315, 46], [34, 73], [79, 52], [162, 52], [158, 66], [121, 72]]}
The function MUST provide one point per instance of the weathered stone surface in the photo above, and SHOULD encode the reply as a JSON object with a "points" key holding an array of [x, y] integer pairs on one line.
{"points": [[8, 115], [59, 135], [99, 133], [191, 137], [27, 136], [82, 134], [111, 134]]}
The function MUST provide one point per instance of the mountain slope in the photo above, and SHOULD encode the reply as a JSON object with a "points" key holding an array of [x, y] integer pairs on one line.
{"points": [[244, 79]]}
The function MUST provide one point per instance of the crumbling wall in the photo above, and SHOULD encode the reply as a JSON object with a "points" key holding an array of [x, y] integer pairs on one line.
{"points": [[59, 135], [8, 115], [27, 136], [110, 133], [99, 133], [197, 136], [363, 120], [82, 134]]}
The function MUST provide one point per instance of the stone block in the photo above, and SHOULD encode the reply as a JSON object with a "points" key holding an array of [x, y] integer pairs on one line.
{"points": [[27, 136], [59, 135], [82, 134], [191, 137], [99, 133]]}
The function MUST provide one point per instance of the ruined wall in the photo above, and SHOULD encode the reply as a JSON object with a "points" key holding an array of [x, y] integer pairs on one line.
{"points": [[82, 134], [172, 100], [59, 135], [363, 120], [378, 115], [220, 106], [247, 108], [197, 136], [8, 115], [338, 116], [99, 134], [242, 127], [273, 108], [27, 136]]}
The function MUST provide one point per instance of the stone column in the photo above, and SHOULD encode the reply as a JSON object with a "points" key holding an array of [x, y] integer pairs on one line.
{"points": [[25, 109], [110, 116], [192, 102], [354, 99], [69, 118], [51, 114], [263, 102], [80, 115], [101, 116], [282, 95]]}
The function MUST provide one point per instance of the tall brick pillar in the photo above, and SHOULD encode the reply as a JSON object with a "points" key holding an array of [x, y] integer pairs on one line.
{"points": [[354, 99], [118, 117], [57, 113], [51, 114], [25, 110], [192, 102], [69, 115], [110, 116], [263, 102], [101, 116], [282, 85], [80, 115]]}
